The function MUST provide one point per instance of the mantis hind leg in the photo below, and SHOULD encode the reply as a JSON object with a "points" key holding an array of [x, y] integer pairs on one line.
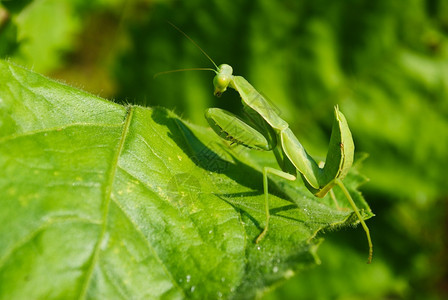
{"points": [[281, 174], [335, 201], [358, 214]]}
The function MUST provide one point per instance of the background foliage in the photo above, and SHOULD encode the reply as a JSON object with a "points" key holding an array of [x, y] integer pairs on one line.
{"points": [[384, 62]]}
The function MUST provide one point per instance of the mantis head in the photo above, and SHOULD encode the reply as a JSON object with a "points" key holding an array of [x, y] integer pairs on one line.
{"points": [[223, 72], [222, 79]]}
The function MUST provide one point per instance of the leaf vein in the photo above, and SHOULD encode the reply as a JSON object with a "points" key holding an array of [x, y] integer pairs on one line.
{"points": [[137, 229], [58, 128], [36, 231], [107, 199]]}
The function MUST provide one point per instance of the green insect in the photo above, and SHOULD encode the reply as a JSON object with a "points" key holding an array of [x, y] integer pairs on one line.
{"points": [[269, 132]]}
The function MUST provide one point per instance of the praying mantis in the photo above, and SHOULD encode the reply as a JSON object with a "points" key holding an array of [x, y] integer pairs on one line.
{"points": [[265, 130]]}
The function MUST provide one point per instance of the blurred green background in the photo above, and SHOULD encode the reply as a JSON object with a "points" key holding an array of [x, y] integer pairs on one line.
{"points": [[384, 62]]}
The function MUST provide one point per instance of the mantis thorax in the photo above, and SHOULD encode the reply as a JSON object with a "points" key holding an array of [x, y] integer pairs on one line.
{"points": [[222, 79]]}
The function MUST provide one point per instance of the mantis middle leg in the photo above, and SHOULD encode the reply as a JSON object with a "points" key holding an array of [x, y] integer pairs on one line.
{"points": [[281, 174]]}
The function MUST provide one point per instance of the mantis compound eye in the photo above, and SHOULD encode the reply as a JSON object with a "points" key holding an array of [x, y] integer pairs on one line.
{"points": [[221, 82]]}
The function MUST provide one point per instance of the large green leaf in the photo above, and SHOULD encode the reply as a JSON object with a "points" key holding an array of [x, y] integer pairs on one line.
{"points": [[104, 201]]}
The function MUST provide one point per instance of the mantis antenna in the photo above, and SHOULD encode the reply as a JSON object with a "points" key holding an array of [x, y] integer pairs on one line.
{"points": [[189, 69], [182, 70], [194, 43]]}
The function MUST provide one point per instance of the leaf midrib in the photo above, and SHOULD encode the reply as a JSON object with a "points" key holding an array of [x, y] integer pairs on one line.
{"points": [[106, 201]]}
